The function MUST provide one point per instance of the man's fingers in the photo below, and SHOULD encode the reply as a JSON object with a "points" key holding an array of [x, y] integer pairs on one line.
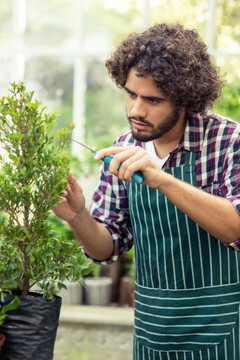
{"points": [[72, 181], [113, 150]]}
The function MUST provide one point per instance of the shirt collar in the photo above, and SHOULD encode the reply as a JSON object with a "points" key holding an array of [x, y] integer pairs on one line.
{"points": [[192, 138]]}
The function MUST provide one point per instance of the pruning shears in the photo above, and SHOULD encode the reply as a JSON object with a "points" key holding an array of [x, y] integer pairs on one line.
{"points": [[137, 176]]}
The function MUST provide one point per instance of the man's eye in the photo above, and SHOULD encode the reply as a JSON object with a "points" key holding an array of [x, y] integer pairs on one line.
{"points": [[153, 101], [133, 96]]}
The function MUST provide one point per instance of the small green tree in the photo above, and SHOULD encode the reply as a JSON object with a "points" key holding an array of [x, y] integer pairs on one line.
{"points": [[33, 172]]}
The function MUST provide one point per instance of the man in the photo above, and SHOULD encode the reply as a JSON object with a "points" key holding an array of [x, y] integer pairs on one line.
{"points": [[184, 219]]}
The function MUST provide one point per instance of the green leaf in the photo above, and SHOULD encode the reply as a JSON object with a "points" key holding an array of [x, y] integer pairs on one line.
{"points": [[13, 305]]}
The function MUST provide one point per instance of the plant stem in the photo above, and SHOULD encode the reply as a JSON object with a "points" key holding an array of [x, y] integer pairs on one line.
{"points": [[26, 285]]}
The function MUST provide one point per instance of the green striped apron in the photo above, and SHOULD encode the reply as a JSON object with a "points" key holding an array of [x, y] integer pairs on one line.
{"points": [[187, 290]]}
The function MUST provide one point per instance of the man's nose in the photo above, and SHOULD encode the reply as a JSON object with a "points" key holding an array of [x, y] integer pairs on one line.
{"points": [[138, 109]]}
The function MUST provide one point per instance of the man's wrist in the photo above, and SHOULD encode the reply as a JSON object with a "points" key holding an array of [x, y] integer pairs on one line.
{"points": [[78, 217], [165, 182]]}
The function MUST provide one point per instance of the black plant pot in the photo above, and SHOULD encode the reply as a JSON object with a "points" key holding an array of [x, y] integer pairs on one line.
{"points": [[31, 329]]}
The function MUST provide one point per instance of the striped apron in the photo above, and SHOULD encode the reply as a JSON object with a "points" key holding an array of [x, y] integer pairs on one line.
{"points": [[187, 290]]}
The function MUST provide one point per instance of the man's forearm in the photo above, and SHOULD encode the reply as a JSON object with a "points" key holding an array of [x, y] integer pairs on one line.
{"points": [[93, 236], [213, 213]]}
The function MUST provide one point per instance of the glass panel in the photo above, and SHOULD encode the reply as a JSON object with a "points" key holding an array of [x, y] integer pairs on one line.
{"points": [[227, 26], [52, 81], [5, 75], [190, 13], [105, 106], [5, 22], [51, 22], [112, 18]]}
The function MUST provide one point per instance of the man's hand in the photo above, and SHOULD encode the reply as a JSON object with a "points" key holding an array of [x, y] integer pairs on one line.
{"points": [[93, 236], [132, 159], [73, 201]]}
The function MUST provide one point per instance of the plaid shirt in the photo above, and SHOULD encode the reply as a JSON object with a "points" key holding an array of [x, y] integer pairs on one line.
{"points": [[216, 142]]}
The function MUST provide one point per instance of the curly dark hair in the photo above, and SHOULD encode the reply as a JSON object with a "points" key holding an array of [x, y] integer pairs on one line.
{"points": [[178, 61]]}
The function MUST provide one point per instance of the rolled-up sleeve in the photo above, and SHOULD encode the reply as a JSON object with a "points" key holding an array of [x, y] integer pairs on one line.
{"points": [[110, 207]]}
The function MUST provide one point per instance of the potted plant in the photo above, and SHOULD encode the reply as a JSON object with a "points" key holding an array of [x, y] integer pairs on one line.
{"points": [[33, 172], [98, 288]]}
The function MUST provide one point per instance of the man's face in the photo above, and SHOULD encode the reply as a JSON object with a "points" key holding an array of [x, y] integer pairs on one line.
{"points": [[150, 113]]}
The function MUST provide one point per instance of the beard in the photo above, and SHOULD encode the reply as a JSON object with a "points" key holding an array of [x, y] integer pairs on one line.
{"points": [[163, 128]]}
